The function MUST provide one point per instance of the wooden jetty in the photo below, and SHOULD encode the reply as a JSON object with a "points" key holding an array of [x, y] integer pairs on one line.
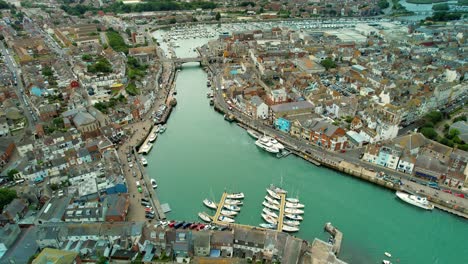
{"points": [[219, 208], [281, 212], [337, 237]]}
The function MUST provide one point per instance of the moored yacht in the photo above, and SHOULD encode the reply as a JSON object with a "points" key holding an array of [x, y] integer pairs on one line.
{"points": [[415, 200], [265, 144]]}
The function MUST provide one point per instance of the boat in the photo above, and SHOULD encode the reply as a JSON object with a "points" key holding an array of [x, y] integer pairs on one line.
{"points": [[235, 196], [267, 226], [205, 217], [162, 129], [226, 219], [292, 200], [294, 217], [273, 194], [152, 137], [277, 189], [287, 228], [228, 213], [415, 200], [291, 222], [266, 145], [143, 161], [232, 202], [294, 205], [293, 211], [388, 254], [234, 208], [270, 206], [253, 133], [210, 204], [154, 184], [271, 200], [269, 219], [270, 213]]}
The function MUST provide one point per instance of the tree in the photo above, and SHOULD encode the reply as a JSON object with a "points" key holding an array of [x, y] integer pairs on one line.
{"points": [[218, 16], [6, 196], [328, 63], [11, 174]]}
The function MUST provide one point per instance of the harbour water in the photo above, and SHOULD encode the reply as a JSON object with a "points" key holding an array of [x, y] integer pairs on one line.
{"points": [[201, 155]]}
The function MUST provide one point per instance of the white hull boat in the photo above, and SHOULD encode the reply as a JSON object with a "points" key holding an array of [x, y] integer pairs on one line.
{"points": [[269, 219], [205, 217], [287, 228], [270, 206], [270, 213], [228, 213], [292, 200], [235, 196], [234, 208], [294, 217], [294, 205], [226, 219], [271, 200], [267, 146], [232, 202], [154, 184], [253, 133], [210, 204], [293, 211], [415, 200], [291, 222], [268, 226], [273, 194]]}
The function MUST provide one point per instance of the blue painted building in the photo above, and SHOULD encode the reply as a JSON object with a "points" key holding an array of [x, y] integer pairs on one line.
{"points": [[283, 124]]}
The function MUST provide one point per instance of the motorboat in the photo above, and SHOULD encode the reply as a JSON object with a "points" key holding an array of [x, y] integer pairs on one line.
{"points": [[287, 228], [235, 196], [270, 213], [415, 200], [210, 204], [277, 189], [228, 213], [270, 206], [232, 202], [292, 200], [268, 226], [294, 217], [269, 219], [154, 184], [265, 144], [273, 194], [271, 200], [294, 205], [291, 222], [162, 129], [293, 211], [226, 219], [253, 133], [234, 208], [205, 217], [152, 137], [143, 161]]}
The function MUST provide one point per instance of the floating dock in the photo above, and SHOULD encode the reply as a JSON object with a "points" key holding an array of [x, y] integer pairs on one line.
{"points": [[219, 208], [281, 211], [337, 237]]}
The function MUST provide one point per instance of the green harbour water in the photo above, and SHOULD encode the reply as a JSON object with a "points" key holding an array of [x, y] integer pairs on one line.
{"points": [[201, 155]]}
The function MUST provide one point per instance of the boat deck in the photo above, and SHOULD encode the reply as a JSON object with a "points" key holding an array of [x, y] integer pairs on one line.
{"points": [[281, 212], [220, 207]]}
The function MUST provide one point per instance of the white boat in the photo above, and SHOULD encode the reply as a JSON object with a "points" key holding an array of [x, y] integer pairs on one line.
{"points": [[271, 200], [292, 200], [152, 137], [269, 219], [232, 202], [228, 213], [415, 200], [143, 161], [293, 211], [154, 184], [287, 228], [234, 208], [210, 204], [265, 144], [294, 205], [271, 206], [270, 213], [277, 189], [267, 226], [253, 133], [162, 129], [294, 217], [205, 217], [226, 219], [273, 194], [291, 222], [235, 196]]}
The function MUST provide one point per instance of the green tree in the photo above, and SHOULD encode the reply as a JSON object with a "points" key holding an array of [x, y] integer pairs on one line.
{"points": [[218, 16], [6, 196], [11, 174], [328, 63]]}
